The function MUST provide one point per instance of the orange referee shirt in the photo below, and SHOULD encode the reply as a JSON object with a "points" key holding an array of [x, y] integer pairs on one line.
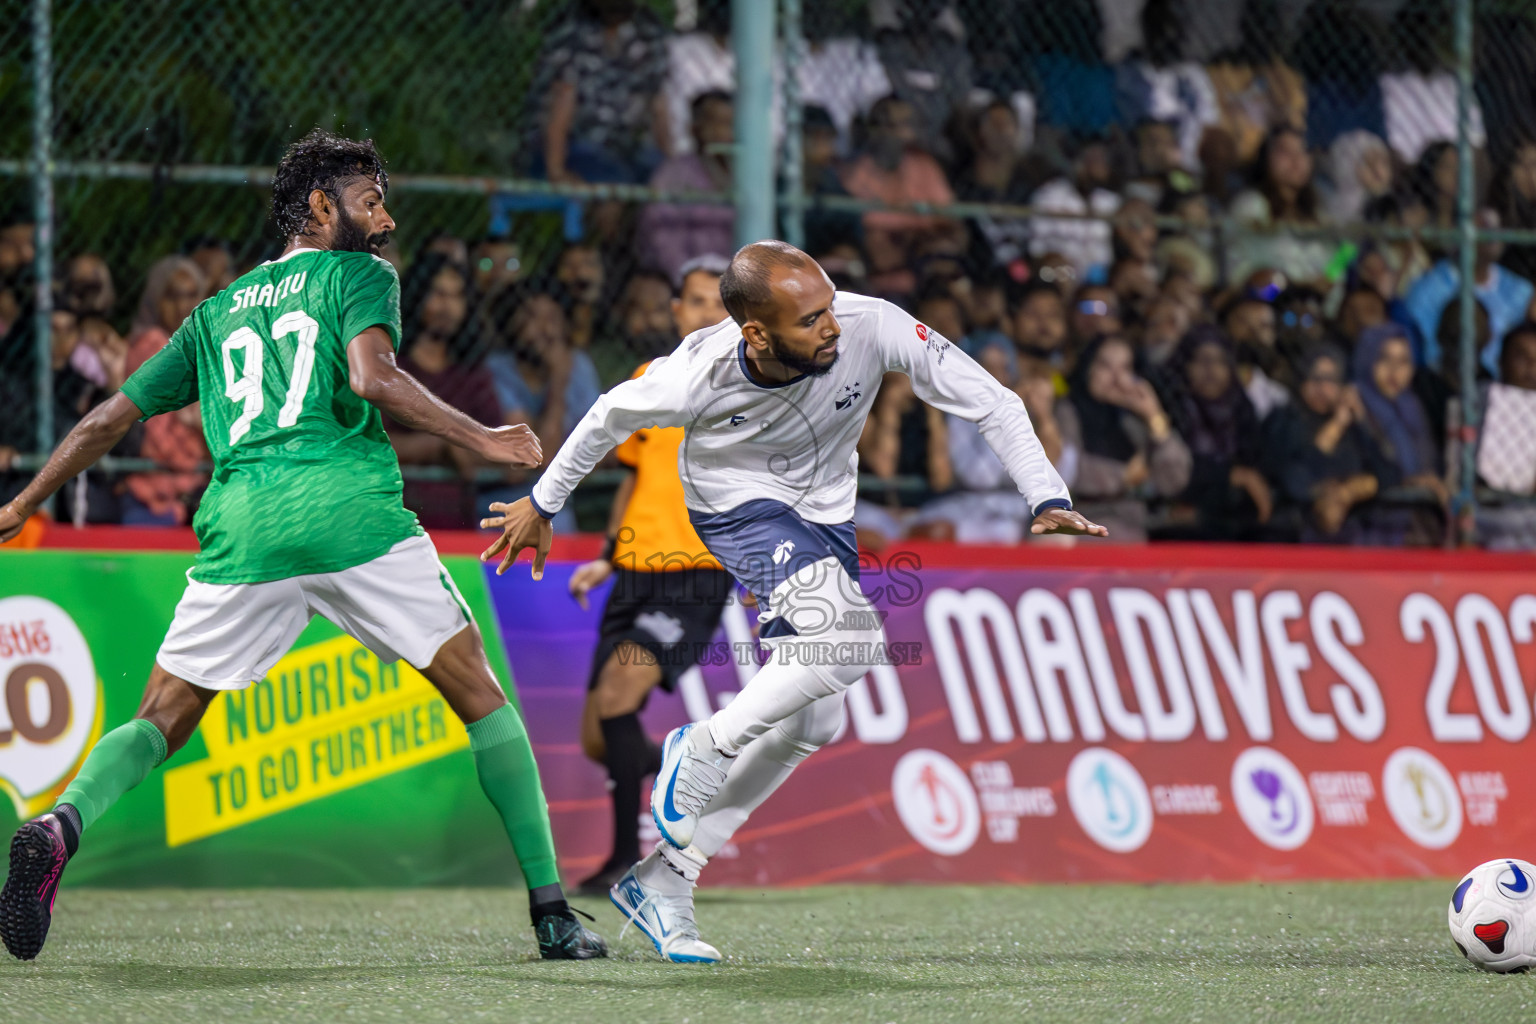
{"points": [[655, 534]]}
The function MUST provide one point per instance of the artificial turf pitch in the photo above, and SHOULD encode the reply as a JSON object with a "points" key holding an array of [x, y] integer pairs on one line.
{"points": [[1336, 952]]}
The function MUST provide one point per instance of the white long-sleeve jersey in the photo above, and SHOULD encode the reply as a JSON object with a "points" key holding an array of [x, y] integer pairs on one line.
{"points": [[796, 442]]}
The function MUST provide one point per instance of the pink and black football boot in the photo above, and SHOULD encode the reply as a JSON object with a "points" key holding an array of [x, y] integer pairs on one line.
{"points": [[39, 851]]}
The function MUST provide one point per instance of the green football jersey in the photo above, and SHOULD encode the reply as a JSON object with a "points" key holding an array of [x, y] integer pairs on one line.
{"points": [[304, 478]]}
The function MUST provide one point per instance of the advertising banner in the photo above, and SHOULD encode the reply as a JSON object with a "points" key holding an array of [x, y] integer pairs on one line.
{"points": [[1327, 716], [336, 769], [1134, 714]]}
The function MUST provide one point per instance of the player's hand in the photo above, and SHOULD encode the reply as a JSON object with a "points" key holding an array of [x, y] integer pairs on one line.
{"points": [[516, 445], [521, 527], [587, 576], [12, 518], [1064, 520]]}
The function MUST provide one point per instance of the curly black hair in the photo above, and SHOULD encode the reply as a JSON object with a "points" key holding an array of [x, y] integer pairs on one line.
{"points": [[320, 160]]}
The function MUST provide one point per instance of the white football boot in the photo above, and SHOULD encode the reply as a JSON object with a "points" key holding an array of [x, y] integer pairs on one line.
{"points": [[656, 896], [692, 772]]}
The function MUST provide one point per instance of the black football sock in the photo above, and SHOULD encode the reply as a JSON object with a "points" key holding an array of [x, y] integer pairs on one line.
{"points": [[69, 819], [547, 899], [627, 760]]}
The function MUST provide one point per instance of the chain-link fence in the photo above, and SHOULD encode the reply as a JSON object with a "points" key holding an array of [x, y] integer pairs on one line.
{"points": [[1159, 163]]}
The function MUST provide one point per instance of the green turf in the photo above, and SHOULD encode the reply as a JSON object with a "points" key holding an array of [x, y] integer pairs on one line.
{"points": [[1289, 952]]}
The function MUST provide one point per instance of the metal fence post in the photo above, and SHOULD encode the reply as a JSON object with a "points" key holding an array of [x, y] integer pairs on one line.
{"points": [[1466, 503], [42, 196], [752, 38], [792, 201]]}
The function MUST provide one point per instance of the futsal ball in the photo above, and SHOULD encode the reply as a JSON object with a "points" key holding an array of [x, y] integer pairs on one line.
{"points": [[1492, 918]]}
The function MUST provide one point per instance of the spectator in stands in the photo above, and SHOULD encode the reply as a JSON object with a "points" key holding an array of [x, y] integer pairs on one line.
{"points": [[1362, 308], [1359, 170], [905, 447], [1167, 325], [1127, 445], [1514, 197], [698, 62], [1300, 323], [1256, 90], [1160, 84], [448, 245], [928, 67], [1075, 93], [1282, 194], [600, 77], [1418, 94], [1438, 387], [173, 440], [1505, 449], [1383, 377], [216, 259], [1038, 347], [1095, 313], [824, 229], [1338, 53], [895, 169], [540, 378], [1506, 295], [437, 348], [1403, 260], [1089, 189], [102, 355], [1435, 180], [581, 279], [1324, 464], [997, 173], [670, 234], [645, 317], [1136, 285], [1134, 275], [1159, 163], [496, 263], [839, 72], [1229, 497], [1250, 322]]}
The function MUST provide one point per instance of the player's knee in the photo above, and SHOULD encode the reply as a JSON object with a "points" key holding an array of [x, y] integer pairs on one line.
{"points": [[813, 727]]}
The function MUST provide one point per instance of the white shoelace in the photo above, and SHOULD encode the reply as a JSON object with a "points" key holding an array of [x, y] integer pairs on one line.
{"points": [[687, 927], [699, 783]]}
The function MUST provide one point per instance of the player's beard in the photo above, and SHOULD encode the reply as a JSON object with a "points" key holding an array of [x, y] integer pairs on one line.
{"points": [[798, 364], [351, 236]]}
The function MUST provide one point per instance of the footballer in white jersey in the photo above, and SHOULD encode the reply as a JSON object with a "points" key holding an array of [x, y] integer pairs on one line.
{"points": [[772, 403]]}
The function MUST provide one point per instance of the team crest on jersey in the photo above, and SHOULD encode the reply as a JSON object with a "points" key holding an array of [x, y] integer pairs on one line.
{"points": [[849, 395], [782, 552]]}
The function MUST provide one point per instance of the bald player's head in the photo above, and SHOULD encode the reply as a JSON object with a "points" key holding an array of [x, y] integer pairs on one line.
{"points": [[746, 287], [782, 300]]}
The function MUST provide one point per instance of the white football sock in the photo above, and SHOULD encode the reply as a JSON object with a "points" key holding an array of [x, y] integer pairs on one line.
{"points": [[763, 766]]}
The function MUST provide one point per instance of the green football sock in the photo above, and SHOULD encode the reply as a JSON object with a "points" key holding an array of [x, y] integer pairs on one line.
{"points": [[121, 760], [510, 778]]}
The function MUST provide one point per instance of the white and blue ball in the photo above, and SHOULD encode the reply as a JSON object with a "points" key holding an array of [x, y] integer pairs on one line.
{"points": [[1493, 915]]}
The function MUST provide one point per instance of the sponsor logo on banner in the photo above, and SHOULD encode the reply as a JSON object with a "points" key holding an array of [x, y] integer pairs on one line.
{"points": [[328, 717], [1271, 798], [1422, 798], [936, 802], [1341, 797], [1003, 803], [1109, 800], [50, 701], [1482, 792]]}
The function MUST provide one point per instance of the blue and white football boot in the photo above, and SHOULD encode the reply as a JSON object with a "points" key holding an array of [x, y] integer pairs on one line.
{"points": [[692, 772], [663, 910]]}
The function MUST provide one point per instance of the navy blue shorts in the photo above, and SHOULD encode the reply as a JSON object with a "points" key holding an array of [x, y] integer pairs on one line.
{"points": [[764, 542]]}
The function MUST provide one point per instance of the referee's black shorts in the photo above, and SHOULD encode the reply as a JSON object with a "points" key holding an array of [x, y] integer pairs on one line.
{"points": [[673, 615]]}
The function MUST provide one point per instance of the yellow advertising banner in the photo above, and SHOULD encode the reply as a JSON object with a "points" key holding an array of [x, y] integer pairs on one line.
{"points": [[328, 717]]}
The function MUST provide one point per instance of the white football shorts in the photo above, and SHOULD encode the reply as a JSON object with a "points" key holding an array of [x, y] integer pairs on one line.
{"points": [[402, 604]]}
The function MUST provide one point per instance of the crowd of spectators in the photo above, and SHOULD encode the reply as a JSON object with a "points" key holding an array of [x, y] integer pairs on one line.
{"points": [[1274, 382]]}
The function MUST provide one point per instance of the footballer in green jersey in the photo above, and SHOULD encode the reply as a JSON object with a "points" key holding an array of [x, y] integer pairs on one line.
{"points": [[293, 364]]}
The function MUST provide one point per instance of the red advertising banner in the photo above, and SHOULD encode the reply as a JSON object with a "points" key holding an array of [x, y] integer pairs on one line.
{"points": [[1114, 713]]}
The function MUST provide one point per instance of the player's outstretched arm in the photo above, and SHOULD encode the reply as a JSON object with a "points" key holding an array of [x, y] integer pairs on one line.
{"points": [[376, 378], [92, 438]]}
